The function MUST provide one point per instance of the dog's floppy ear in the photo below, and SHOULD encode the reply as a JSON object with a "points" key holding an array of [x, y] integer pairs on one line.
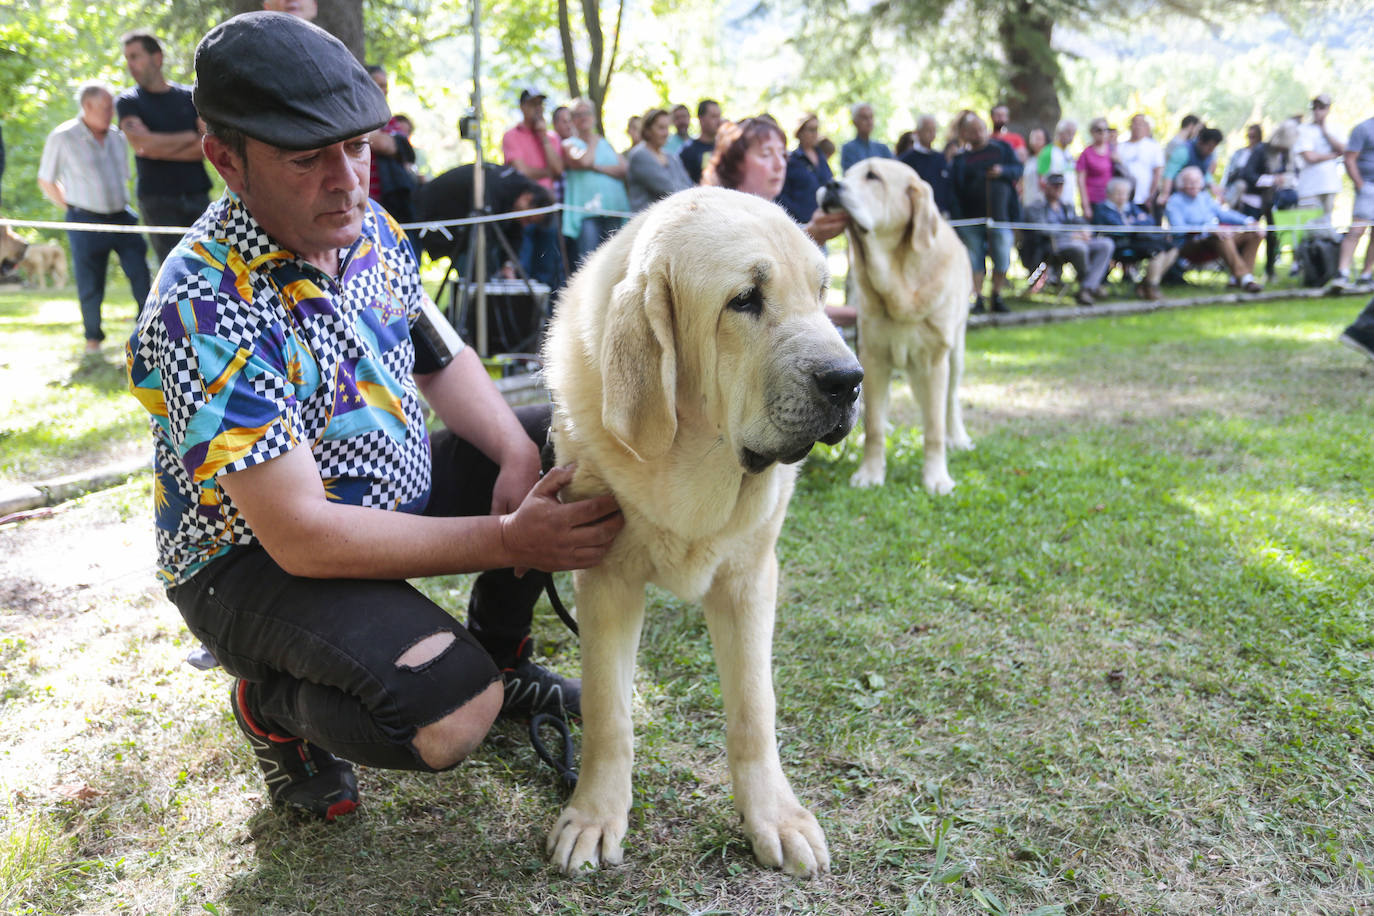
{"points": [[925, 219], [639, 365]]}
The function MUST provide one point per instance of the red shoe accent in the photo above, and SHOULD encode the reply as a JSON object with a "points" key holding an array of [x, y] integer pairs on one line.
{"points": [[241, 698], [340, 808]]}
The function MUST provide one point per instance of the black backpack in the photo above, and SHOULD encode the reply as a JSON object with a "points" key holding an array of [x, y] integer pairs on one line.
{"points": [[1318, 257]]}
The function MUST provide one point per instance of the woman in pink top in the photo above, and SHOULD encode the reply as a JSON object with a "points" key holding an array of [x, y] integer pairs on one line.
{"points": [[1094, 168]]}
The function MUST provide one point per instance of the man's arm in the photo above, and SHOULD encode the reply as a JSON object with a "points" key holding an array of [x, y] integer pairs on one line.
{"points": [[53, 192], [172, 146], [1352, 168], [284, 502]]}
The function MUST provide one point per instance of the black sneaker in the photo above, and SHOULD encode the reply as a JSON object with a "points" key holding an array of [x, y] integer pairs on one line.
{"points": [[998, 305], [298, 773], [977, 307], [1359, 339], [532, 689]]}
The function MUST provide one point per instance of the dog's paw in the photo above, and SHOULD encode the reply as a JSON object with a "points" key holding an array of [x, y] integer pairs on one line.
{"points": [[790, 839], [582, 841], [868, 476], [960, 443], [937, 482]]}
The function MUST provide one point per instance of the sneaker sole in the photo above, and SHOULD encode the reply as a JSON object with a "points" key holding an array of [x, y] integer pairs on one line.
{"points": [[1358, 347]]}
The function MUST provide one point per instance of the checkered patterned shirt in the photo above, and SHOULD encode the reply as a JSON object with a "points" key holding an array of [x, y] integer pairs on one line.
{"points": [[244, 352]]}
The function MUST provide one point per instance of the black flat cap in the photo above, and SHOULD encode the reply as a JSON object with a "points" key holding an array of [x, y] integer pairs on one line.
{"points": [[285, 82]]}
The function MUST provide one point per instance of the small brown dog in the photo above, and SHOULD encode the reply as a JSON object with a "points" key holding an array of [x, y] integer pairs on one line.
{"points": [[44, 262]]}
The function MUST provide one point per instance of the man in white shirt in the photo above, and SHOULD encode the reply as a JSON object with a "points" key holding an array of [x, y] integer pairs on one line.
{"points": [[84, 170], [1143, 158], [1320, 149]]}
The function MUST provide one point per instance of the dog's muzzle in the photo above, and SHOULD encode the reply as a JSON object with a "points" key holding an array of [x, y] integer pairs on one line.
{"points": [[828, 197], [829, 416]]}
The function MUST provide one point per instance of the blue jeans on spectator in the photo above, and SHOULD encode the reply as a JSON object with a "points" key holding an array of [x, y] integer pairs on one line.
{"points": [[594, 231], [91, 258], [982, 242], [540, 255], [179, 210]]}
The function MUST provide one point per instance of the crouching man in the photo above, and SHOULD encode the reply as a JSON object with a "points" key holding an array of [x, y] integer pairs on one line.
{"points": [[283, 357]]}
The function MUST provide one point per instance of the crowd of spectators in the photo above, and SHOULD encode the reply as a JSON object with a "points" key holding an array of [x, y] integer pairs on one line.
{"points": [[1055, 197]]}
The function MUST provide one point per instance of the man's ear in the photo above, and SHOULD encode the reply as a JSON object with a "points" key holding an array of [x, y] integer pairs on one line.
{"points": [[230, 165]]}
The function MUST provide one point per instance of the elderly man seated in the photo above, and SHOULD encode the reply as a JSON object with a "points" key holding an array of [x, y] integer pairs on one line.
{"points": [[1206, 230], [1090, 255], [1156, 247]]}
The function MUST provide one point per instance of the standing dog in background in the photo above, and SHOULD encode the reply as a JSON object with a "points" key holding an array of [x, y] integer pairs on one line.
{"points": [[912, 274], [44, 262]]}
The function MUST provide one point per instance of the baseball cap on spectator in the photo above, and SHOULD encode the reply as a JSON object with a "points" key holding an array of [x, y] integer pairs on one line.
{"points": [[531, 93], [285, 82], [1322, 101], [1054, 178]]}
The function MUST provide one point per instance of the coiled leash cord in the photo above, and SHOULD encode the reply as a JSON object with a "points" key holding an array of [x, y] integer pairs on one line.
{"points": [[564, 764]]}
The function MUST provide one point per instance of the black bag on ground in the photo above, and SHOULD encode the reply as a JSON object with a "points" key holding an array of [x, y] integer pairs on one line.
{"points": [[1318, 256]]}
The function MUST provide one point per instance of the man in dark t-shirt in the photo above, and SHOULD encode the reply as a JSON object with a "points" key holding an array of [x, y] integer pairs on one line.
{"points": [[160, 122], [698, 151]]}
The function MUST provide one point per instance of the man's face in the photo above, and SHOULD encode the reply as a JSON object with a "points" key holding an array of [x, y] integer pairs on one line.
{"points": [[1000, 116], [380, 78], [1253, 135], [1065, 136], [974, 132], [682, 119], [1140, 127], [926, 131], [532, 110], [1190, 183], [145, 68], [709, 120], [310, 201], [1205, 148], [303, 9], [97, 110], [863, 121], [562, 123], [1319, 113], [1054, 190]]}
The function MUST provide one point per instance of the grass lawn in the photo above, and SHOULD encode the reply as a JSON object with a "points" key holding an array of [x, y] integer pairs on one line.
{"points": [[1125, 668]]}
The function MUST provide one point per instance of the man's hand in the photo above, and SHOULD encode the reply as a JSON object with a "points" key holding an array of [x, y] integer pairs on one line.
{"points": [[548, 535], [517, 477], [994, 171], [825, 226]]}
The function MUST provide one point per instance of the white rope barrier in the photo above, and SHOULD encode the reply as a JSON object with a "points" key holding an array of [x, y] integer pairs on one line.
{"points": [[442, 226]]}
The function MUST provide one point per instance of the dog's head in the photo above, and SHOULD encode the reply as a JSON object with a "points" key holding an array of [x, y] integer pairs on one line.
{"points": [[717, 329], [12, 250], [883, 197]]}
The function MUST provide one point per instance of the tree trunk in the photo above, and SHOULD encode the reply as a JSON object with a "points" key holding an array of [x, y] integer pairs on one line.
{"points": [[565, 38], [1032, 72], [344, 20], [341, 18]]}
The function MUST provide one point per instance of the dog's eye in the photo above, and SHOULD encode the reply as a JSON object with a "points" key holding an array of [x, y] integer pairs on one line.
{"points": [[872, 176], [749, 302]]}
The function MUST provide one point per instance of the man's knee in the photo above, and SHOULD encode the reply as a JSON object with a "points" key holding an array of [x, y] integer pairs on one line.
{"points": [[450, 740]]}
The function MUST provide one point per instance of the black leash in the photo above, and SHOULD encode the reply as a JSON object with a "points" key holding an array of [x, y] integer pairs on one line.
{"points": [[564, 764]]}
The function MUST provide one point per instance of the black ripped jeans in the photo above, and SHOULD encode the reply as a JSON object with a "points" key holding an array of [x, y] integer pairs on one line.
{"points": [[323, 652]]}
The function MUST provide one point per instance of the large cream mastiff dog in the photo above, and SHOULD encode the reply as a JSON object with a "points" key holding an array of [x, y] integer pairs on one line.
{"points": [[912, 274], [691, 368]]}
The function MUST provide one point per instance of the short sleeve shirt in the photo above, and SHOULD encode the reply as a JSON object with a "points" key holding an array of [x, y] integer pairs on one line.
{"points": [[164, 112], [520, 144], [1362, 144], [245, 352], [1317, 177]]}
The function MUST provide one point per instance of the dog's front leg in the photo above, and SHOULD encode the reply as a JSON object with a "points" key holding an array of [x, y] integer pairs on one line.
{"points": [[610, 614], [877, 379], [739, 613], [933, 395]]}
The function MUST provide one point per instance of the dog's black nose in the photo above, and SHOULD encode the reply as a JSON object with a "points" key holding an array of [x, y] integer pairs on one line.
{"points": [[839, 384]]}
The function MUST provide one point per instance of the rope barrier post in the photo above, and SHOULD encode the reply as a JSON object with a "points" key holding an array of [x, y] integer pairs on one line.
{"points": [[479, 273]]}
